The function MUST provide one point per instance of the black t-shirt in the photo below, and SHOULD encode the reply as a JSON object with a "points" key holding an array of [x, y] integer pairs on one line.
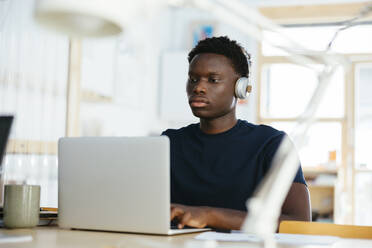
{"points": [[221, 170]]}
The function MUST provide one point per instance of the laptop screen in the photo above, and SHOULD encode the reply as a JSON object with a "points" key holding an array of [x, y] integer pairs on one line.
{"points": [[5, 124]]}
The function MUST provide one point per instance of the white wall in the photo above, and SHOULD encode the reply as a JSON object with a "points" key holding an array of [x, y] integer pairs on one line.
{"points": [[33, 79]]}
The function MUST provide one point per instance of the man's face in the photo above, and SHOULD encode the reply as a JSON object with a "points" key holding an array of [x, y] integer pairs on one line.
{"points": [[210, 86]]}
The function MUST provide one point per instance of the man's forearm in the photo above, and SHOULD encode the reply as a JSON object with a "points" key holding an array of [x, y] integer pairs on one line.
{"points": [[233, 219], [223, 218]]}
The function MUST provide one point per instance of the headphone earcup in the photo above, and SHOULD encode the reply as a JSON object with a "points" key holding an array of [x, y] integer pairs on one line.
{"points": [[242, 88]]}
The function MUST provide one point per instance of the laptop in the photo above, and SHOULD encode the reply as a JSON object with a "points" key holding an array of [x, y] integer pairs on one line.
{"points": [[115, 184], [5, 124]]}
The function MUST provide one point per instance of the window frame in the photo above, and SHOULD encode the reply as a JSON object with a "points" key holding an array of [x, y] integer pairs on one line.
{"points": [[347, 169]]}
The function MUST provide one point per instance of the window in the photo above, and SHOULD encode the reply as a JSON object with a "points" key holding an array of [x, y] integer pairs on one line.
{"points": [[284, 84], [356, 39], [341, 137], [322, 139], [363, 111]]}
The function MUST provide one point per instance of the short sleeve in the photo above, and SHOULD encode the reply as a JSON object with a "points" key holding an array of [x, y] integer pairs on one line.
{"points": [[270, 151]]}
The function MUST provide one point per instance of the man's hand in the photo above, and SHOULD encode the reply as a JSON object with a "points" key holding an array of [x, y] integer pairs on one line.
{"points": [[295, 207], [190, 216]]}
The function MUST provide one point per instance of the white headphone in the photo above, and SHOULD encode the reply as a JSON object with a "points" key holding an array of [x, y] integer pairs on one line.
{"points": [[242, 85], [242, 88]]}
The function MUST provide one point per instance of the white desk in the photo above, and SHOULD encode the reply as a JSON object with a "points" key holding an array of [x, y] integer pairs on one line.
{"points": [[53, 237]]}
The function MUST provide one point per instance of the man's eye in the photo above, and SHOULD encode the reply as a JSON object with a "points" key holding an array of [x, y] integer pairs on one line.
{"points": [[192, 80], [214, 80]]}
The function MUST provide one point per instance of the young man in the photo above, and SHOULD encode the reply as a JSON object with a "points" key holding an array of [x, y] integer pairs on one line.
{"points": [[217, 164]]}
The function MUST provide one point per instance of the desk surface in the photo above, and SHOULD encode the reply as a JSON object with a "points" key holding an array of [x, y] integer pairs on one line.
{"points": [[51, 237], [55, 237]]}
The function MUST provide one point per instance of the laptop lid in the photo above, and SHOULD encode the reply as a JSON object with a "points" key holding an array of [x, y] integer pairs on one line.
{"points": [[5, 124], [114, 183]]}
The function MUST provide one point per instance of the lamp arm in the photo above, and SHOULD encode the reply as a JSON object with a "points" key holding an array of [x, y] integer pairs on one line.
{"points": [[264, 208]]}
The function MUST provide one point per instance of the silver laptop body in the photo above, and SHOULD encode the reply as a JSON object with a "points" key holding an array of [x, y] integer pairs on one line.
{"points": [[115, 184]]}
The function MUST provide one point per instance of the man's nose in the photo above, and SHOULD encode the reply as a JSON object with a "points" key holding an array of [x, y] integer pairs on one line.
{"points": [[200, 87]]}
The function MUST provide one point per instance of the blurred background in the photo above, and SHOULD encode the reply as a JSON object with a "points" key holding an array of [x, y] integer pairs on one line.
{"points": [[133, 84]]}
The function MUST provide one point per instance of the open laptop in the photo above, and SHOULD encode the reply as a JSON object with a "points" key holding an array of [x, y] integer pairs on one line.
{"points": [[5, 124], [115, 184]]}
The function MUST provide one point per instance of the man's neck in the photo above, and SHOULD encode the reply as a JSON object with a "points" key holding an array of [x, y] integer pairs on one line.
{"points": [[218, 125]]}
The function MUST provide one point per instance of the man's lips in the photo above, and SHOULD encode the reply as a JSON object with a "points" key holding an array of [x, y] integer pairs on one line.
{"points": [[198, 102]]}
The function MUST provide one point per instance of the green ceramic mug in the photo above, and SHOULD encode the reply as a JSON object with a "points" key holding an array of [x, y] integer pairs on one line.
{"points": [[21, 206]]}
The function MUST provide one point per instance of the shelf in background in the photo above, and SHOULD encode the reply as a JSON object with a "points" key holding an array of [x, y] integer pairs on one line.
{"points": [[93, 97], [366, 170], [17, 146], [312, 172]]}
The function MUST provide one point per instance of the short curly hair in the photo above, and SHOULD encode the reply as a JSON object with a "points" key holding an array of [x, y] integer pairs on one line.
{"points": [[240, 59]]}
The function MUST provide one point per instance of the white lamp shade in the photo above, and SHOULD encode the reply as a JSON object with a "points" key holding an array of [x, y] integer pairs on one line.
{"points": [[85, 18]]}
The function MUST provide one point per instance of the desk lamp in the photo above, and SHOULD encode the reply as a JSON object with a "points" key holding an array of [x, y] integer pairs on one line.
{"points": [[84, 18]]}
